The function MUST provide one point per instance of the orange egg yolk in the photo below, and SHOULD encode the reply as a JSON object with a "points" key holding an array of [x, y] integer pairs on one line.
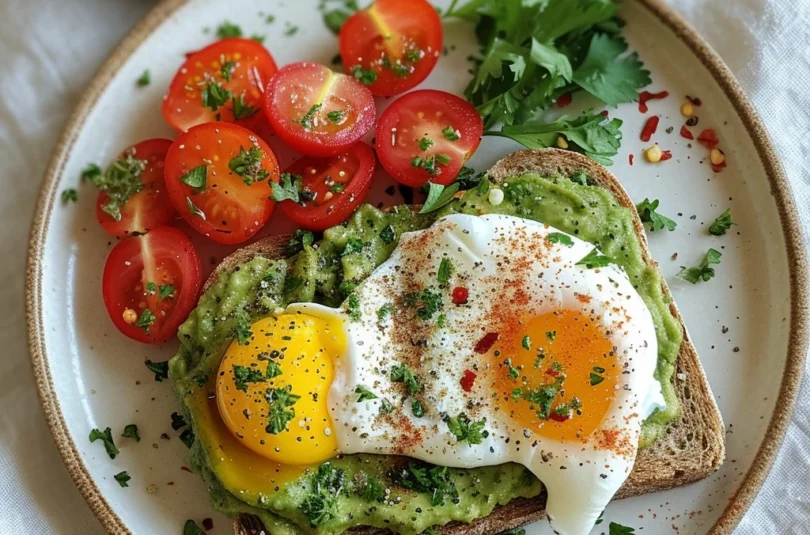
{"points": [[557, 374], [272, 391]]}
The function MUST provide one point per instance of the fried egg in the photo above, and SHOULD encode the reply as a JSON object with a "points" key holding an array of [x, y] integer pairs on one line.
{"points": [[480, 341]]}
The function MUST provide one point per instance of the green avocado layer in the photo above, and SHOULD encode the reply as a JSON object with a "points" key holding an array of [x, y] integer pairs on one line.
{"points": [[327, 272]]}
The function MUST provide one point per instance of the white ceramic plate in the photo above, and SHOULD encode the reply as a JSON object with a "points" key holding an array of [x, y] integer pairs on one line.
{"points": [[750, 341]]}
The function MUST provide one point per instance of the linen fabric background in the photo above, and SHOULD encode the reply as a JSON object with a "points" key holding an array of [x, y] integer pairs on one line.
{"points": [[50, 50]]}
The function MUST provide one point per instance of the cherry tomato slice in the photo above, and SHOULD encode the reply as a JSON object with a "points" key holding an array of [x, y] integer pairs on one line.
{"points": [[332, 187], [317, 111], [427, 135], [393, 45], [219, 180], [151, 283], [148, 209], [224, 81]]}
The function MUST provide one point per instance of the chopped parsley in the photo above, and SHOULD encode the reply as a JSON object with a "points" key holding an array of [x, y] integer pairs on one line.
{"points": [[228, 29], [321, 504], [618, 529], [703, 272], [241, 109], [191, 528], [245, 375], [596, 379], [353, 307], [306, 120], [514, 373], [70, 195], [226, 71], [248, 165], [721, 224], [388, 234], [429, 163], [365, 394], [551, 335], [166, 291], [242, 327], [353, 246], [385, 311], [215, 96], [178, 422], [466, 430], [281, 401], [386, 407], [397, 67], [122, 478], [120, 181], [594, 260], [288, 188], [365, 77], [425, 143], [543, 398], [427, 478], [160, 369], [299, 240], [402, 374], [258, 38], [187, 437], [647, 213], [428, 302], [144, 79], [526, 343], [336, 116], [450, 133], [131, 431], [445, 270], [438, 196], [516, 393], [196, 177], [105, 437], [417, 408], [335, 18], [291, 30], [337, 187], [369, 488], [146, 320], [559, 237], [441, 321]]}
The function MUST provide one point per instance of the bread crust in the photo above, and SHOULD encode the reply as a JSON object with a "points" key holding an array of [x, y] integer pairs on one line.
{"points": [[692, 447]]}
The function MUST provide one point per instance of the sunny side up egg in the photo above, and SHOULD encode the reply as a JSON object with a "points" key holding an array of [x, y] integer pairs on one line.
{"points": [[480, 341]]}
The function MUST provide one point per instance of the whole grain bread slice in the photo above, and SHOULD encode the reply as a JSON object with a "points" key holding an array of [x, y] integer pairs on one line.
{"points": [[691, 448]]}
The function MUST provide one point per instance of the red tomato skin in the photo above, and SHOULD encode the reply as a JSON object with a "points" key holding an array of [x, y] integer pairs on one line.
{"points": [[289, 130], [360, 31], [148, 209], [259, 193], [399, 166], [124, 266], [321, 218], [182, 109]]}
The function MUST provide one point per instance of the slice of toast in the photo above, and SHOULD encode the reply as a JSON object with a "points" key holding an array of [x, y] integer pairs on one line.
{"points": [[691, 448]]}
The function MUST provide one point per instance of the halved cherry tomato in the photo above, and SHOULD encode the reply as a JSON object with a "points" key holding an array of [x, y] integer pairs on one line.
{"points": [[151, 283], [317, 111], [224, 81], [427, 135], [331, 188], [393, 45], [219, 180], [148, 209]]}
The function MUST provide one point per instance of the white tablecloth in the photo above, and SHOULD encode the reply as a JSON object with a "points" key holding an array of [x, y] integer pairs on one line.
{"points": [[50, 51]]}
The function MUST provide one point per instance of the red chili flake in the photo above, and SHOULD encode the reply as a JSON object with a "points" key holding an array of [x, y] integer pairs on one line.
{"points": [[719, 167], [186, 469], [686, 133], [666, 155], [552, 372], [649, 128], [557, 417], [486, 343], [467, 380], [646, 96], [208, 524], [708, 138], [460, 295], [564, 100], [631, 158], [695, 101]]}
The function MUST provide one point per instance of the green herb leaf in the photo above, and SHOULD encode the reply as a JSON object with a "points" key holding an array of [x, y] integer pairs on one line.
{"points": [[120, 181], [196, 177], [353, 246], [321, 503], [386, 407], [336, 116], [166, 291], [703, 272], [242, 327], [248, 165], [299, 240], [618, 529], [365, 77], [385, 311], [559, 237], [160, 369], [291, 30], [427, 301], [105, 437], [551, 335], [526, 343], [122, 478], [425, 143], [721, 224], [450, 134], [445, 270], [306, 120], [353, 307], [226, 71], [241, 109], [417, 408], [466, 430], [191, 528], [609, 77], [187, 437], [131, 431], [337, 187], [281, 401], [244, 375], [335, 18], [594, 260], [70, 195], [596, 379], [215, 96], [647, 212], [402, 374], [92, 173], [365, 394], [438, 196], [436, 481], [144, 79], [258, 38], [146, 320], [288, 188], [388, 234], [228, 29], [370, 489], [441, 321]]}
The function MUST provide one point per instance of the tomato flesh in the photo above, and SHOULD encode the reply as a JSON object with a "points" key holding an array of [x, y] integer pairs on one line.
{"points": [[230, 207], [399, 41], [148, 209], [224, 81], [426, 136], [317, 111], [333, 187], [151, 283]]}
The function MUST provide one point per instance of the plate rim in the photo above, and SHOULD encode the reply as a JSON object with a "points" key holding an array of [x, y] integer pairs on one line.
{"points": [[780, 188]]}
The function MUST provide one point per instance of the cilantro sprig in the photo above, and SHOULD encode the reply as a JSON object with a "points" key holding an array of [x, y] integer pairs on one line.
{"points": [[704, 271], [647, 211], [721, 224]]}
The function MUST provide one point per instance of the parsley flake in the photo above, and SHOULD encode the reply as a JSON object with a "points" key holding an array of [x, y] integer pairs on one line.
{"points": [[559, 237], [466, 430], [248, 165], [196, 177], [703, 272], [122, 478], [721, 224], [402, 374], [365, 394], [106, 438], [281, 401], [160, 369], [131, 431], [647, 213], [144, 79], [594, 260]]}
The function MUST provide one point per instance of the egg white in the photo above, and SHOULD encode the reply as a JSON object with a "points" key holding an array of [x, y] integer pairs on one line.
{"points": [[500, 260]]}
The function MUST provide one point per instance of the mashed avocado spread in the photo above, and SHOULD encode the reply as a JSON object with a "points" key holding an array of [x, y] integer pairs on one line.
{"points": [[403, 495]]}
